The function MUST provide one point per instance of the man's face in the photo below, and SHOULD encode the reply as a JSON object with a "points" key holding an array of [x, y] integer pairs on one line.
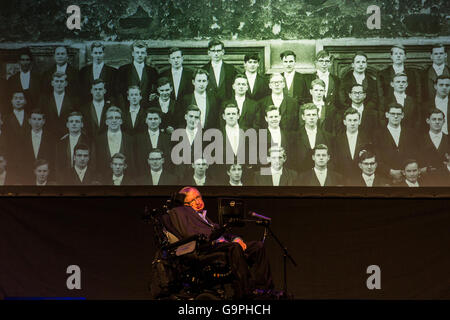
{"points": [[411, 172], [194, 200], [165, 91], [200, 166], [139, 54], [317, 92], [310, 117], [438, 56], [192, 119], [41, 173], [240, 86], [153, 121], [74, 124], [176, 59], [289, 63], [25, 62], [118, 166], [61, 56], [436, 121], [323, 63], [399, 84], [155, 161], [277, 84], [273, 119], [97, 55], [36, 121], [442, 87], [277, 160], [2, 164], [235, 172], [200, 83], [357, 95], [134, 96], [352, 122], [59, 84], [398, 56], [81, 158], [98, 91], [251, 65], [394, 116], [368, 166], [321, 158], [359, 64], [231, 116], [216, 53], [18, 100], [113, 121]]}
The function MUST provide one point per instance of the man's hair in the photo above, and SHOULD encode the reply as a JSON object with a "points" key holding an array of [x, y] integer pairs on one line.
{"points": [[25, 51], [288, 53], [153, 110], [18, 90], [438, 46], [40, 162], [230, 105], [308, 106], [163, 81], [81, 146], [276, 74], [59, 74], [399, 74], [157, 150], [138, 44], [441, 77], [408, 162], [37, 111], [183, 191], [133, 87], [119, 155], [319, 82], [350, 111], [215, 42], [271, 108], [323, 54], [356, 85], [64, 47], [435, 110], [114, 109], [251, 56], [277, 149], [174, 49], [321, 147], [398, 46], [200, 71], [229, 166], [192, 107], [359, 53], [394, 105], [240, 76], [97, 81], [366, 154], [74, 114], [97, 44]]}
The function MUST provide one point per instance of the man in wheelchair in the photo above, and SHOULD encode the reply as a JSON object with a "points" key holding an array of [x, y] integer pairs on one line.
{"points": [[227, 256]]}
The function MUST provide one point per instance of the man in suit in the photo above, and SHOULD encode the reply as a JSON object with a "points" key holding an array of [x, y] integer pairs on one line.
{"points": [[136, 73], [287, 105], [65, 146], [303, 141], [58, 104], [94, 112], [41, 173], [118, 175], [276, 175], [97, 70], [113, 141], [320, 175], [156, 174], [322, 62], [200, 175], [398, 57], [248, 108], [441, 100], [275, 135], [368, 177], [411, 174], [235, 172], [394, 143], [26, 80], [258, 86], [221, 73], [61, 66], [134, 112], [295, 85], [167, 106], [205, 100], [82, 173], [349, 144], [180, 77], [358, 75], [438, 68]]}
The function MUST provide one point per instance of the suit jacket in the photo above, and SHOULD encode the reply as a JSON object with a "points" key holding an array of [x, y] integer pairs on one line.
{"points": [[248, 116], [86, 78], [433, 105], [173, 116], [369, 84], [185, 222], [412, 115], [47, 151], [63, 153], [13, 134], [227, 73], [186, 87], [71, 177], [166, 179], [423, 182], [429, 76], [54, 122], [139, 125], [91, 124], [127, 76], [212, 110], [329, 120], [309, 178], [33, 91], [342, 159], [289, 112], [126, 180], [332, 92], [144, 145], [260, 88], [211, 180], [379, 181], [370, 120], [73, 85], [288, 178], [298, 89], [429, 156]]}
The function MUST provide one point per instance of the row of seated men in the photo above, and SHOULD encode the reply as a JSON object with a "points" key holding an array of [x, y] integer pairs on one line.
{"points": [[177, 152]]}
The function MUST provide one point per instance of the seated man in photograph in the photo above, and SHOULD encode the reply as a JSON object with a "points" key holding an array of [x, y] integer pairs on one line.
{"points": [[41, 173], [199, 175], [276, 175], [82, 173], [368, 176], [119, 175], [234, 172], [156, 174], [248, 260], [412, 177], [320, 175]]}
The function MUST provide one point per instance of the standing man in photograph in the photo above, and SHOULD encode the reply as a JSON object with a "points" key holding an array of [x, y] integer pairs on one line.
{"points": [[179, 76]]}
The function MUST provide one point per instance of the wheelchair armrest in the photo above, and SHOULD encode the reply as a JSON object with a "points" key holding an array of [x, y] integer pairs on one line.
{"points": [[175, 245]]}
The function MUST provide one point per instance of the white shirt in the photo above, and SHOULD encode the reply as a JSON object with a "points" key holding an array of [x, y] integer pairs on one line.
{"points": [[36, 141], [360, 109], [61, 68], [325, 77], [134, 110], [276, 176], [442, 105], [410, 184], [155, 176], [201, 104], [395, 133], [73, 140], [400, 69], [80, 172], [359, 77], [311, 136], [98, 106], [251, 77], [352, 137], [217, 67], [321, 176], [164, 105], [233, 137], [435, 138], [139, 68], [439, 69], [191, 135], [276, 135], [114, 141], [368, 179], [200, 182], [289, 78], [239, 184], [202, 215], [97, 69], [176, 76], [20, 115], [25, 79], [319, 105], [277, 100], [58, 101], [117, 180], [240, 102], [400, 97], [154, 135]]}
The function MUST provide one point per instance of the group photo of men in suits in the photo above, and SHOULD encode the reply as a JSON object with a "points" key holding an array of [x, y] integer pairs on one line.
{"points": [[103, 125]]}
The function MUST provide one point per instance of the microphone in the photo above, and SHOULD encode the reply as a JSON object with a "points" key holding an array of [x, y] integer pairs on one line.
{"points": [[259, 216]]}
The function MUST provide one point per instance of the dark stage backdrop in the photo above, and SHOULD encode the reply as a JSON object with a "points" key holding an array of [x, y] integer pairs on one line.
{"points": [[332, 240]]}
